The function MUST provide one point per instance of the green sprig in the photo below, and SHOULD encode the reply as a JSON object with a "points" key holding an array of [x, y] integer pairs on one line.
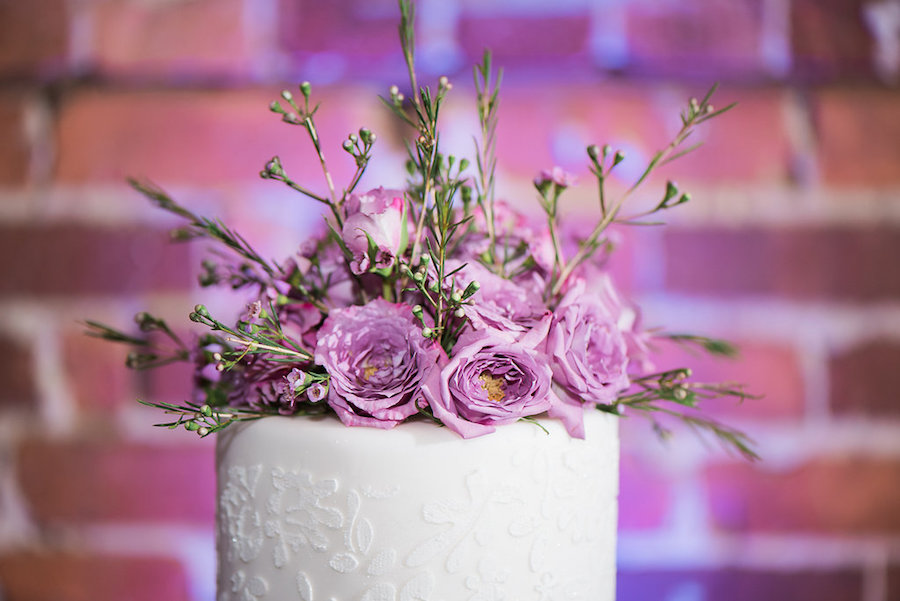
{"points": [[202, 226]]}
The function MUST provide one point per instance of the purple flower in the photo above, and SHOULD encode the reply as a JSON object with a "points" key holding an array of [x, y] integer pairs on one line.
{"points": [[588, 353], [265, 383], [557, 176], [375, 230], [599, 287], [380, 364], [316, 392], [500, 303], [493, 379], [513, 240], [298, 324]]}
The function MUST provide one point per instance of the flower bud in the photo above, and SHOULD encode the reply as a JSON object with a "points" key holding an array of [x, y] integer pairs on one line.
{"points": [[471, 289], [287, 95], [305, 88], [203, 431], [427, 332]]}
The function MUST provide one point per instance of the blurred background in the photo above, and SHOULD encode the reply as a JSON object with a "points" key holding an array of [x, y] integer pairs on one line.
{"points": [[789, 247]]}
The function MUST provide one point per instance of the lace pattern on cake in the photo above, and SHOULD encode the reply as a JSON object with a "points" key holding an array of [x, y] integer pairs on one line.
{"points": [[316, 517], [241, 523], [246, 589], [298, 514]]}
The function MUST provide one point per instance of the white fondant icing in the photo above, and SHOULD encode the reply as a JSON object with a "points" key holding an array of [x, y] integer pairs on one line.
{"points": [[312, 510]]}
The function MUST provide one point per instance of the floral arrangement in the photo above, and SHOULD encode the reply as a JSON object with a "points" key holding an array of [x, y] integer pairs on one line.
{"points": [[437, 301]]}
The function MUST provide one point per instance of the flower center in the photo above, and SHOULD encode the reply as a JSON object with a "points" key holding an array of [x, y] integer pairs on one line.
{"points": [[370, 368], [369, 371], [495, 387]]}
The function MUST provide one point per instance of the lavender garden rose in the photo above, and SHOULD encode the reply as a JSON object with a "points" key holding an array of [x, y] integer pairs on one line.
{"points": [[500, 303], [493, 379], [381, 367], [375, 230], [589, 355]]}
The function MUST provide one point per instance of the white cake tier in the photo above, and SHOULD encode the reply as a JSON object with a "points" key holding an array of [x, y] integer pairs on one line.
{"points": [[310, 510]]}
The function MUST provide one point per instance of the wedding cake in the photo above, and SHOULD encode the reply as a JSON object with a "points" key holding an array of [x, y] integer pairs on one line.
{"points": [[435, 302], [311, 510]]}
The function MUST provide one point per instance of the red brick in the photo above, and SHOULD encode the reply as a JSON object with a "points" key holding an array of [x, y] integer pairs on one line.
{"points": [[170, 37], [840, 495], [696, 38], [767, 369], [96, 372], [63, 576], [741, 585], [172, 383], [893, 583], [513, 38], [644, 495], [66, 260], [203, 138], [17, 375], [859, 136], [33, 37], [89, 482], [747, 144], [830, 40], [360, 31], [864, 378], [15, 150], [838, 263]]}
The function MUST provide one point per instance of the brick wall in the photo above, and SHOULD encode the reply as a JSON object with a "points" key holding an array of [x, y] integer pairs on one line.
{"points": [[789, 248]]}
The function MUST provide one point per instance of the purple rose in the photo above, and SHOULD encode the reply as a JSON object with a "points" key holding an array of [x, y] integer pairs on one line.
{"points": [[588, 353], [514, 236], [599, 287], [493, 379], [500, 303], [375, 230], [380, 364], [298, 324], [264, 384]]}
